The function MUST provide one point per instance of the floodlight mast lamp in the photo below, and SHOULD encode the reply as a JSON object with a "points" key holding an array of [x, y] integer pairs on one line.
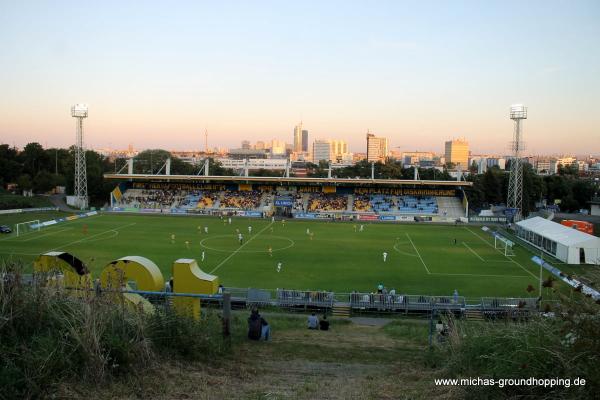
{"points": [[80, 111], [518, 112]]}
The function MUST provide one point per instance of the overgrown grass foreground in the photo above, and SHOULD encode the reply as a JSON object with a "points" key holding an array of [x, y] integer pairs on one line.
{"points": [[48, 338], [563, 345]]}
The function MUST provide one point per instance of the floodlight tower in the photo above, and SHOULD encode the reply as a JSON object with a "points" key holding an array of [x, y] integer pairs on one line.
{"points": [[518, 112], [80, 111]]}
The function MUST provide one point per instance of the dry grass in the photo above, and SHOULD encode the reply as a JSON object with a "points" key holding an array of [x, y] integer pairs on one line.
{"points": [[349, 362]]}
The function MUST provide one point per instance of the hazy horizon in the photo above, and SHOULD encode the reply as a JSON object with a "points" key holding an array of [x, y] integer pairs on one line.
{"points": [[157, 75]]}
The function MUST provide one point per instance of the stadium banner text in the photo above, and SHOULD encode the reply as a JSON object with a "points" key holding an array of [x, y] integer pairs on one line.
{"points": [[408, 191]]}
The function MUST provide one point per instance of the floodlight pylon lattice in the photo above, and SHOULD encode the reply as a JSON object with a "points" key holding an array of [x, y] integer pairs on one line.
{"points": [[518, 112], [79, 112]]}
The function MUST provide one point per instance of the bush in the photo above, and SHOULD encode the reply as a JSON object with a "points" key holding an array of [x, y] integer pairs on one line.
{"points": [[48, 337]]}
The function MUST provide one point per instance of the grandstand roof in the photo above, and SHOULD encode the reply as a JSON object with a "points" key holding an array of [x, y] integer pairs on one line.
{"points": [[559, 233], [284, 180]]}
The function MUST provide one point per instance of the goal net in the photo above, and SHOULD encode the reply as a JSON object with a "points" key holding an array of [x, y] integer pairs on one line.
{"points": [[25, 227], [504, 245]]}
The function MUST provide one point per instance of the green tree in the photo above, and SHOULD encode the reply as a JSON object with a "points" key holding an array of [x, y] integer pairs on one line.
{"points": [[43, 182], [24, 182], [34, 159]]}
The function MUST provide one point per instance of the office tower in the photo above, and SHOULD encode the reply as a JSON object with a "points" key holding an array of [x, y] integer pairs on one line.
{"points": [[330, 150], [304, 140], [377, 148], [246, 144], [297, 145], [457, 153]]}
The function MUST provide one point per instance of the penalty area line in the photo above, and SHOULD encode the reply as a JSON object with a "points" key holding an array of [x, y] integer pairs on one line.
{"points": [[480, 275], [419, 254], [492, 246], [46, 234], [239, 248], [473, 251], [90, 237]]}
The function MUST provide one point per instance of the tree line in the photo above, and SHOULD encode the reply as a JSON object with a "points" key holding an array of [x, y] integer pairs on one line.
{"points": [[40, 170]]}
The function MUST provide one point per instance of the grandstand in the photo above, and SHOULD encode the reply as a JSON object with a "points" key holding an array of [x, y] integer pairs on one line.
{"points": [[345, 199]]}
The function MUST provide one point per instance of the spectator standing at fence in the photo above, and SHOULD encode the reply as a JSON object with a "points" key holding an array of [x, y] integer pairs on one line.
{"points": [[220, 289], [323, 323], [455, 295], [380, 288], [313, 321], [172, 284]]}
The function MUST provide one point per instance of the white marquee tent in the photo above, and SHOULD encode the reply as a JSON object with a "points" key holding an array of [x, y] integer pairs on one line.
{"points": [[566, 244]]}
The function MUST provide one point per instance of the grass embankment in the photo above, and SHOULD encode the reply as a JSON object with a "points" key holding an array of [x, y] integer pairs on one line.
{"points": [[52, 345]]}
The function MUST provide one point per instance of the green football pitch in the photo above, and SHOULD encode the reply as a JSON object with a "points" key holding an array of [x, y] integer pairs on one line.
{"points": [[421, 259]]}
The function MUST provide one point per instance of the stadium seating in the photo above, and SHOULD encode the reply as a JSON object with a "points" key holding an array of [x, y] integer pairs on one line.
{"points": [[417, 205], [327, 202], [362, 202], [249, 200]]}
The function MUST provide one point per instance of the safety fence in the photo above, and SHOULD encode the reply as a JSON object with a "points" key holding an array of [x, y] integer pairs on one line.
{"points": [[357, 302]]}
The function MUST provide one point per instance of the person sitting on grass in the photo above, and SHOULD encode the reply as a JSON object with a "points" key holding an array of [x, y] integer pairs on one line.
{"points": [[313, 321], [258, 327], [323, 323]]}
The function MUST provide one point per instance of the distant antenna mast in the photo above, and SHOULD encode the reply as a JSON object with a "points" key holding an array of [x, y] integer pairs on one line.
{"points": [[80, 111], [518, 112], [206, 140]]}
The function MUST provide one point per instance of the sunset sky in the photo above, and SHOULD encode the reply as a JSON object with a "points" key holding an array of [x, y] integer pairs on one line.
{"points": [[156, 74]]}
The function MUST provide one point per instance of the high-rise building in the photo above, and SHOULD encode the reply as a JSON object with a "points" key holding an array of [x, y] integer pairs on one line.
{"points": [[246, 144], [457, 153], [330, 150], [304, 140], [377, 148], [297, 146], [260, 145], [277, 147], [321, 151]]}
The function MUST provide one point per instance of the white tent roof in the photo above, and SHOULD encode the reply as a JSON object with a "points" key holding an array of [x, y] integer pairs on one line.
{"points": [[560, 233]]}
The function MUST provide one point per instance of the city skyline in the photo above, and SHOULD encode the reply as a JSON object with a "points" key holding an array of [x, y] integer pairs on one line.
{"points": [[417, 74]]}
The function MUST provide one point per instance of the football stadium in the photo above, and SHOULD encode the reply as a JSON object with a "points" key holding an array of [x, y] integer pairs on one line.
{"points": [[309, 234]]}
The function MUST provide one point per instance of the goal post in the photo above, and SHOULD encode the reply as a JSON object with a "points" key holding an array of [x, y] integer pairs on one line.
{"points": [[29, 226], [503, 244]]}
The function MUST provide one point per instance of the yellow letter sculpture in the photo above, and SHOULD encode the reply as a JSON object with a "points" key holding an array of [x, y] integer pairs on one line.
{"points": [[145, 273], [74, 272], [189, 278]]}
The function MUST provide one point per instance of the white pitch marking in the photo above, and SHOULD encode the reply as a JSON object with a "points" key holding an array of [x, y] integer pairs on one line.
{"points": [[87, 238], [419, 254], [473, 251], [496, 276], [489, 244], [239, 248], [47, 234]]}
